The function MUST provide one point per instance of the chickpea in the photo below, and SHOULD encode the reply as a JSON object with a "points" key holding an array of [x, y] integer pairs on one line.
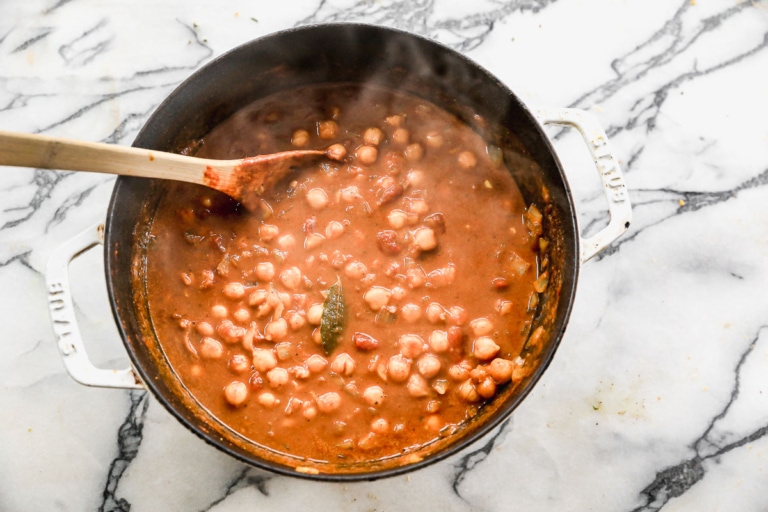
{"points": [[283, 298], [267, 399], [468, 392], [501, 370], [367, 154], [438, 341], [265, 271], [313, 240], [481, 326], [315, 314], [235, 393], [286, 242], [309, 412], [258, 297], [373, 395], [316, 363], [296, 321], [433, 140], [210, 348], [300, 138], [411, 313], [268, 232], [414, 152], [398, 293], [355, 270], [485, 348], [414, 178], [486, 388], [417, 387], [373, 136], [397, 219], [327, 129], [291, 277], [467, 160], [411, 345], [219, 311], [328, 402], [478, 373], [436, 313], [299, 372], [428, 365], [457, 315], [264, 359], [380, 426], [350, 194], [395, 120], [230, 332], [242, 315], [398, 368], [278, 377], [264, 310], [417, 206], [238, 363], [434, 422], [424, 239], [334, 229], [401, 136], [442, 276], [377, 297], [204, 329], [234, 290], [416, 277], [343, 364], [503, 307], [317, 198], [338, 259], [276, 330], [460, 371], [336, 152], [300, 300]]}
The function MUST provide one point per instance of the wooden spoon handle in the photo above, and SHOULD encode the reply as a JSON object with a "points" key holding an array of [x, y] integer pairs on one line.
{"points": [[44, 152]]}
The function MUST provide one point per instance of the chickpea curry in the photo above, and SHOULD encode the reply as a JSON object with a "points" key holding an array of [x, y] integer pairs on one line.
{"points": [[373, 302]]}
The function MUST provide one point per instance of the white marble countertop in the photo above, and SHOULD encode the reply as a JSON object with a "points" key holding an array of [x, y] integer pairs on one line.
{"points": [[655, 399]]}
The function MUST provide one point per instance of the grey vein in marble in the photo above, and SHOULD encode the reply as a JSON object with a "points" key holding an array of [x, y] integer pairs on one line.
{"points": [[674, 481], [661, 48], [247, 477], [129, 438], [683, 202], [468, 462], [426, 17]]}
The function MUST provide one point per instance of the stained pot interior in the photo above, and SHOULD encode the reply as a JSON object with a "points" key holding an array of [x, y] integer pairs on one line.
{"points": [[315, 55]]}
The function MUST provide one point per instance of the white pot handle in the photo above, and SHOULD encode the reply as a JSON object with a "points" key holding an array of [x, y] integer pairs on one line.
{"points": [[62, 309], [607, 166]]}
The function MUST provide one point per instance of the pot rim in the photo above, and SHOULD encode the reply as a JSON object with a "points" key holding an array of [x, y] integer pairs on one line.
{"points": [[464, 441]]}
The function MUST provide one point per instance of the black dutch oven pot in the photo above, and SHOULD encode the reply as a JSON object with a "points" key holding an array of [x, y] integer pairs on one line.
{"points": [[318, 55]]}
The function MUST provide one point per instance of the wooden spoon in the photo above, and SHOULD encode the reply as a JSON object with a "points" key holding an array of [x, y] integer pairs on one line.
{"points": [[244, 180]]}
